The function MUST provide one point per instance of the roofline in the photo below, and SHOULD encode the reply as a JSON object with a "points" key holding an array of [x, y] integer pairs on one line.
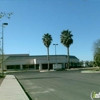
{"points": [[51, 55], [16, 54], [27, 55]]}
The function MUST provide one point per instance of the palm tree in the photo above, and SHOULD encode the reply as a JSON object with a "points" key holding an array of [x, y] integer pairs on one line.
{"points": [[66, 40], [47, 39]]}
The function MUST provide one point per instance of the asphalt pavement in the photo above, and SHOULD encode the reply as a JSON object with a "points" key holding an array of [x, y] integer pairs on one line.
{"points": [[59, 85]]}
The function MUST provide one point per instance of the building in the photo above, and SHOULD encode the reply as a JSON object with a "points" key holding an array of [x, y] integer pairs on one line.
{"points": [[36, 62]]}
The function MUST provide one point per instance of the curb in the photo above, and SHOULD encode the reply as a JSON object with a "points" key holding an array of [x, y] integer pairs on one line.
{"points": [[23, 89], [47, 70], [90, 71], [71, 69]]}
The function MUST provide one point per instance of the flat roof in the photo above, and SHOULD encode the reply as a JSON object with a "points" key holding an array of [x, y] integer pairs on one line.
{"points": [[37, 56]]}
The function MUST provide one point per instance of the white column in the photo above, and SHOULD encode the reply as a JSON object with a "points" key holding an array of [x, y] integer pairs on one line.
{"points": [[21, 66], [54, 66], [40, 66], [64, 65], [34, 66]]}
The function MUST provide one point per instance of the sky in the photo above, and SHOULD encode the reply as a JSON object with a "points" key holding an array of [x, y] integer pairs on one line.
{"points": [[32, 19]]}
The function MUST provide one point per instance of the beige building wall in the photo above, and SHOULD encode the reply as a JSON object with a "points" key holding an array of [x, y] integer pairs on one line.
{"points": [[32, 60]]}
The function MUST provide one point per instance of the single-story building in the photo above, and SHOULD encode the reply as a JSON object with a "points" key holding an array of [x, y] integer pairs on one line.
{"points": [[35, 62]]}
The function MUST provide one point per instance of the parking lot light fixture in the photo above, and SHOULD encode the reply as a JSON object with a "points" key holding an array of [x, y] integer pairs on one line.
{"points": [[3, 24], [55, 54]]}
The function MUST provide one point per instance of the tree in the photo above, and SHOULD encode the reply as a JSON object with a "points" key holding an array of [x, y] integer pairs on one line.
{"points": [[66, 40], [47, 39], [81, 63], [87, 63], [94, 64], [91, 63], [97, 60], [96, 48], [8, 15], [3, 14]]}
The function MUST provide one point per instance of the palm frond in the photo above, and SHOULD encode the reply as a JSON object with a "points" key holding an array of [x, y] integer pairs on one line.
{"points": [[66, 38], [47, 39]]}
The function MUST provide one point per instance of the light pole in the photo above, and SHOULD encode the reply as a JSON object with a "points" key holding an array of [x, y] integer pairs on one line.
{"points": [[3, 47], [55, 54]]}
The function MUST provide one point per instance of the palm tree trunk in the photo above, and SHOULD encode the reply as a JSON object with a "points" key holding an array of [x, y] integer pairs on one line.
{"points": [[48, 56], [68, 59]]}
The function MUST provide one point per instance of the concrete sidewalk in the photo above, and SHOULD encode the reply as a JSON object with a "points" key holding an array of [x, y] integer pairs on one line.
{"points": [[10, 89]]}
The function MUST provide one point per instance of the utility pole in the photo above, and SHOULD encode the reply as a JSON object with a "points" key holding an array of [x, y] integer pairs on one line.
{"points": [[55, 54], [3, 48]]}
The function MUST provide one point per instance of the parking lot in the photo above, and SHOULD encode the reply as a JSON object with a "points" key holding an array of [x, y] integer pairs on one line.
{"points": [[59, 85]]}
